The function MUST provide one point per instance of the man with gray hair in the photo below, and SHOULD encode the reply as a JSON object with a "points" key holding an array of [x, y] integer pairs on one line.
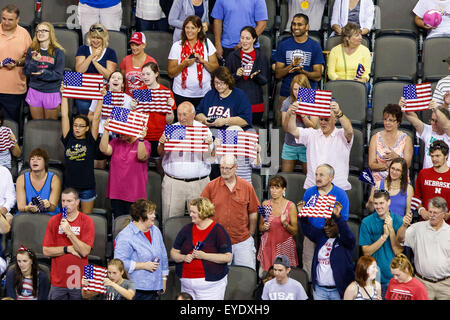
{"points": [[430, 242], [186, 173], [236, 207], [324, 186]]}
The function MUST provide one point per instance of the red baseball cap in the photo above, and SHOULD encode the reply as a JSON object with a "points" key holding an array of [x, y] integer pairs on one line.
{"points": [[138, 38]]}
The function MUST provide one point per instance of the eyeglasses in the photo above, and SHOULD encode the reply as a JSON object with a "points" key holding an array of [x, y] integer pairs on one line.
{"points": [[219, 83], [42, 31], [99, 29], [79, 126], [226, 168]]}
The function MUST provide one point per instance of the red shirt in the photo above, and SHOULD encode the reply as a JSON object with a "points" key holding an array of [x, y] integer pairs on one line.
{"points": [[67, 269], [133, 75], [411, 290], [195, 268]]}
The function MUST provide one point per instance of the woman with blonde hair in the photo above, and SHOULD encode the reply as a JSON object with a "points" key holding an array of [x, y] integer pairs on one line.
{"points": [[403, 285], [292, 151], [202, 251], [95, 57], [44, 64]]}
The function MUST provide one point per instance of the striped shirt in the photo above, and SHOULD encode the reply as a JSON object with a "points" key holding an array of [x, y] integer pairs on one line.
{"points": [[27, 290], [441, 88]]}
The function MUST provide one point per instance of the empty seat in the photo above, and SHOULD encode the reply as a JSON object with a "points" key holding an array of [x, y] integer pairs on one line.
{"points": [[355, 196], [241, 283], [391, 21], [257, 183], [357, 151], [70, 40], [98, 252], [61, 13], [154, 191], [352, 99], [119, 223], [395, 58], [434, 51], [384, 93], [101, 180], [171, 228], [271, 13], [45, 134], [265, 43], [158, 46], [354, 226], [119, 42]]}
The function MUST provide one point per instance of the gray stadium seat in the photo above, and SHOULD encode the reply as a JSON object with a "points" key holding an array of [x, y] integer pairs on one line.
{"points": [[173, 285], [352, 99], [257, 183], [265, 43], [357, 151], [384, 93], [120, 223], [393, 22], [395, 58], [301, 276], [101, 180], [45, 134], [434, 51], [154, 191], [119, 42], [355, 196], [271, 13], [57, 12], [70, 40], [295, 181], [28, 229], [171, 228], [98, 253], [158, 46], [127, 13], [354, 225], [241, 283]]}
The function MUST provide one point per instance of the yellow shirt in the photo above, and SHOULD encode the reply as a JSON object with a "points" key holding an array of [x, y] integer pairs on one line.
{"points": [[336, 65], [15, 47]]}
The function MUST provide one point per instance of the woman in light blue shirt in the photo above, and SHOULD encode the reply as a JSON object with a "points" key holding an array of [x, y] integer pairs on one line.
{"points": [[181, 9], [141, 247]]}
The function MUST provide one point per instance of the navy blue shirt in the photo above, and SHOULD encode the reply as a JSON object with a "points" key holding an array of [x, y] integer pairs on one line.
{"points": [[108, 55]]}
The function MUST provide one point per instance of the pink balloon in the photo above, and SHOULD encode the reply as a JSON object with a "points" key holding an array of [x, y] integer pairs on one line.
{"points": [[432, 18]]}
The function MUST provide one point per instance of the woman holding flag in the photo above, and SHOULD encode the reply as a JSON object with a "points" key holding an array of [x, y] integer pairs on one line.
{"points": [[278, 226], [350, 60], [202, 251]]}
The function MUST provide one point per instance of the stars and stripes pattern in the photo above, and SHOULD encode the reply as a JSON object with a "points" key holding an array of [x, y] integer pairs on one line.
{"points": [[265, 212], [359, 71], [95, 276], [319, 206], [82, 85], [185, 138], [5, 139], [198, 245], [112, 99], [64, 212], [314, 102], [238, 143], [367, 177], [415, 203], [127, 122], [247, 64], [37, 201], [152, 100], [418, 97], [8, 60]]}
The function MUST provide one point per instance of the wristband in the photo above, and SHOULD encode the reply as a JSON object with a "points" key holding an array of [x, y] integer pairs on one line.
{"points": [[65, 250], [141, 140], [340, 114]]}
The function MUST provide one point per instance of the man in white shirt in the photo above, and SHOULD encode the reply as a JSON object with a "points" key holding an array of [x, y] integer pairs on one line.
{"points": [[430, 242], [282, 287], [327, 144], [186, 173]]}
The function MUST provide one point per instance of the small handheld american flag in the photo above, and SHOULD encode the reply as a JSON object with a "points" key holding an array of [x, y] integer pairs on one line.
{"points": [[319, 206], [239, 143], [417, 96], [95, 276], [64, 212], [265, 212], [127, 122], [359, 71], [185, 138], [8, 60], [314, 102], [82, 85], [415, 203], [37, 201], [152, 100], [5, 139], [367, 177], [198, 245]]}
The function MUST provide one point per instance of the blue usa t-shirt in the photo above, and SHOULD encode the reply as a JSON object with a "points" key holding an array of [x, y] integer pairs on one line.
{"points": [[311, 50]]}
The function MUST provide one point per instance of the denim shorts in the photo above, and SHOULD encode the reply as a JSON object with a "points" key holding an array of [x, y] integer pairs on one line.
{"points": [[293, 153], [87, 195]]}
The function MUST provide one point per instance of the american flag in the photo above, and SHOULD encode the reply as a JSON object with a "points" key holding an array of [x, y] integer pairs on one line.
{"points": [[265, 212], [247, 64], [37, 201], [112, 99], [359, 71], [198, 245], [82, 85], [415, 203], [64, 212], [185, 138], [318, 206], [239, 143], [314, 102], [156, 259], [95, 276], [417, 97], [127, 122], [152, 100], [8, 60], [5, 141], [367, 177]]}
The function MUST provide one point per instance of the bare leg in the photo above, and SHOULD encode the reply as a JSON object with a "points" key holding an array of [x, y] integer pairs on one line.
{"points": [[37, 113]]}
